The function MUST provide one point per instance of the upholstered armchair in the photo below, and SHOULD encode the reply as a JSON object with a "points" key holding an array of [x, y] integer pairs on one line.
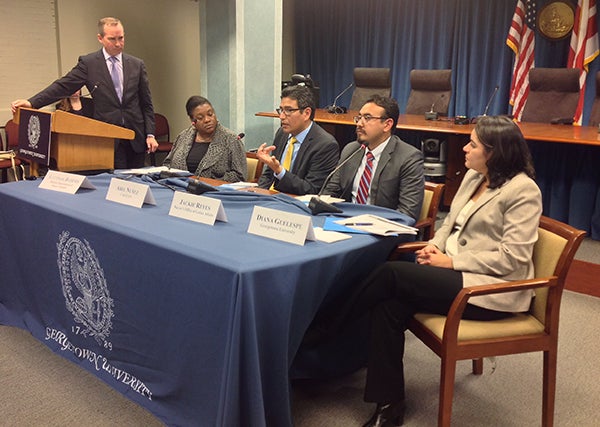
{"points": [[553, 94], [427, 88], [369, 82], [454, 339]]}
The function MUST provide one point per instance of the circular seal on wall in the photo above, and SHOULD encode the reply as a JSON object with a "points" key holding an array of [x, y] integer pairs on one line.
{"points": [[556, 19], [33, 131], [84, 288]]}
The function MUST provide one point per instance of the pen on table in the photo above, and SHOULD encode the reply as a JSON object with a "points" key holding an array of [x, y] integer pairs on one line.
{"points": [[358, 223]]}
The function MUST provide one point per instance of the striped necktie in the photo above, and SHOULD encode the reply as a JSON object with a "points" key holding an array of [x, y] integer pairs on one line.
{"points": [[364, 186]]}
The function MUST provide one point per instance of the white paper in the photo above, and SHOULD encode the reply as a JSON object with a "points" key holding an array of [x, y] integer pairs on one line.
{"points": [[65, 182], [193, 207], [154, 169], [330, 236], [281, 225], [129, 193], [239, 185], [377, 225]]}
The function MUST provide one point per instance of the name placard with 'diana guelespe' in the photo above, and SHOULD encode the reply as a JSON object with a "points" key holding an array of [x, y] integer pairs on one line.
{"points": [[280, 225]]}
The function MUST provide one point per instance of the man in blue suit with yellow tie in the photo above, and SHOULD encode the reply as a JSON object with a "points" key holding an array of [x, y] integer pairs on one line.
{"points": [[303, 153]]}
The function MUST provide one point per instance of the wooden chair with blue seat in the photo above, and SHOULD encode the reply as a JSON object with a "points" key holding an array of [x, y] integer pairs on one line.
{"points": [[454, 339]]}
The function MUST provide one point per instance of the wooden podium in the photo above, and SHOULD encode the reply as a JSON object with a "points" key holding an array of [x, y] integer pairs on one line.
{"points": [[81, 144]]}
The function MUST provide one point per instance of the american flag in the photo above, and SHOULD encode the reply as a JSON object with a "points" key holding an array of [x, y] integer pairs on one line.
{"points": [[521, 39], [584, 46]]}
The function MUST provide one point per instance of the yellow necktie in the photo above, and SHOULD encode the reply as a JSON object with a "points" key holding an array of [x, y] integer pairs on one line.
{"points": [[287, 160]]}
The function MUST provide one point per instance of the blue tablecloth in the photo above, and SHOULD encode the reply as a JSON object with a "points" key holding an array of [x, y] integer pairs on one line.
{"points": [[197, 323]]}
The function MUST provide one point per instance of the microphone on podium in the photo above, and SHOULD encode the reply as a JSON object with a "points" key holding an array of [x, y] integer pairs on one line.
{"points": [[432, 114], [91, 92], [487, 106], [333, 108]]}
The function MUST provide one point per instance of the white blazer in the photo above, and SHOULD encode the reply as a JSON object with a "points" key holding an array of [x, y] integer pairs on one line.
{"points": [[496, 241]]}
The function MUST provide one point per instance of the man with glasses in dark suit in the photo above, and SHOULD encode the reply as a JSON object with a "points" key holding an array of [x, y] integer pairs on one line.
{"points": [[303, 153], [383, 170]]}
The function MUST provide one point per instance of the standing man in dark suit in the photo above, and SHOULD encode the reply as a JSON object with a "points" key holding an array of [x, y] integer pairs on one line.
{"points": [[302, 154], [119, 87], [395, 168]]}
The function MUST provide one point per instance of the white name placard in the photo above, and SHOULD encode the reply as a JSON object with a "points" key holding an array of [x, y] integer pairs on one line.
{"points": [[280, 225], [129, 193], [193, 207], [65, 182]]}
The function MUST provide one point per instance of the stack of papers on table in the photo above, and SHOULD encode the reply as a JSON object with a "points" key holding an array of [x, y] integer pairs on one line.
{"points": [[377, 225], [240, 185], [154, 169]]}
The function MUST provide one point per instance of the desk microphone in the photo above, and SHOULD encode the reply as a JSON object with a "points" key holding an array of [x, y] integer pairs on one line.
{"points": [[316, 205], [562, 121], [431, 114], [334, 109], [195, 186], [363, 145], [487, 106]]}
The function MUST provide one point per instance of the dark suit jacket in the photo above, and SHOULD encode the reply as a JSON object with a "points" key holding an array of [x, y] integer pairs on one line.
{"points": [[135, 112], [398, 182], [317, 156]]}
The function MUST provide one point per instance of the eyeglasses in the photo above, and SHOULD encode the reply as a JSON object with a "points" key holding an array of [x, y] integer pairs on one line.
{"points": [[287, 111], [367, 118]]}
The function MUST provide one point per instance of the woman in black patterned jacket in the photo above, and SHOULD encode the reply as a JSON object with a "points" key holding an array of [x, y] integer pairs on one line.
{"points": [[208, 149]]}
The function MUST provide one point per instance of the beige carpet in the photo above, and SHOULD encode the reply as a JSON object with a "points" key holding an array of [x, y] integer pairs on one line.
{"points": [[39, 388]]}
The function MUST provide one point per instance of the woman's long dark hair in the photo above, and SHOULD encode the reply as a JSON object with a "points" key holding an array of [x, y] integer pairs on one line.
{"points": [[510, 153]]}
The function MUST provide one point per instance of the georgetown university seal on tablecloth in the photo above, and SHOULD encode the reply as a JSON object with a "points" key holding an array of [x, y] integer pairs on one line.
{"points": [[84, 288]]}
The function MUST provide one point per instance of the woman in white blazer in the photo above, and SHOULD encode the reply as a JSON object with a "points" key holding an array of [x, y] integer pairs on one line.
{"points": [[488, 236]]}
